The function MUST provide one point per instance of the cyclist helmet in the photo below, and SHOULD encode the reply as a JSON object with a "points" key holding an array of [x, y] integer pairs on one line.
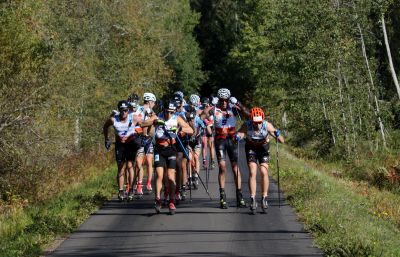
{"points": [[257, 115], [169, 105], [224, 93], [133, 98], [178, 99], [149, 97], [123, 105], [205, 100], [179, 93], [194, 100]]}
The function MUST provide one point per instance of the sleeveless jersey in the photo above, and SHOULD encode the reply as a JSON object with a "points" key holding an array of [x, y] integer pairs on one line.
{"points": [[225, 124], [163, 134], [124, 129], [257, 137]]}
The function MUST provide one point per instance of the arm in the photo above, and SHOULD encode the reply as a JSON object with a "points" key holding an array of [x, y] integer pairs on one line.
{"points": [[242, 131], [185, 127], [148, 122], [109, 122], [272, 131]]}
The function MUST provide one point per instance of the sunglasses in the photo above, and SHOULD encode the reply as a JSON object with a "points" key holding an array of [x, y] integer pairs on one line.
{"points": [[124, 110], [224, 100]]}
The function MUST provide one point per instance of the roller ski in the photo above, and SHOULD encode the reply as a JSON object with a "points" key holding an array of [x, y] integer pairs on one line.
{"points": [[253, 206]]}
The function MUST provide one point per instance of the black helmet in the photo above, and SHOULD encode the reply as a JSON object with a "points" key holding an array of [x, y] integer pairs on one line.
{"points": [[133, 98], [178, 99], [169, 105], [205, 100], [123, 105]]}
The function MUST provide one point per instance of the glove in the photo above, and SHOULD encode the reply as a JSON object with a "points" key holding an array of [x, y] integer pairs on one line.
{"points": [[277, 133], [149, 111], [115, 112], [214, 101], [107, 144], [173, 129], [237, 138], [233, 100], [159, 122]]}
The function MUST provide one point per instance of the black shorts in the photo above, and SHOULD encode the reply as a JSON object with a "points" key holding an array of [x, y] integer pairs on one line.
{"points": [[195, 144], [226, 145], [210, 134], [257, 153], [126, 151], [146, 146], [185, 143], [165, 157]]}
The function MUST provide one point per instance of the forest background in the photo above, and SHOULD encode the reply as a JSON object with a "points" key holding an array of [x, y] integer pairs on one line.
{"points": [[320, 69]]}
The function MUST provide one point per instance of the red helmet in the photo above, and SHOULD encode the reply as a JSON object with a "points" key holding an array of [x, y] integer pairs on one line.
{"points": [[256, 115]]}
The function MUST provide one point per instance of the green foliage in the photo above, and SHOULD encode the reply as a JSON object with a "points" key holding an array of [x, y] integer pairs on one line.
{"points": [[65, 64], [345, 218], [305, 59], [26, 232]]}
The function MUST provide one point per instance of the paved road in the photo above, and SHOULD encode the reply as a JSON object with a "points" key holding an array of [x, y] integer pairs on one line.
{"points": [[199, 228]]}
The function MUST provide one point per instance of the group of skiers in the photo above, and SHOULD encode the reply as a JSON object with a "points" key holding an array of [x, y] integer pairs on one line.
{"points": [[175, 139]]}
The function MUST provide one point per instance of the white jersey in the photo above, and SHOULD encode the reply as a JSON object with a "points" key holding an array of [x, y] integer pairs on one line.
{"points": [[225, 123], [260, 136], [163, 134], [124, 129]]}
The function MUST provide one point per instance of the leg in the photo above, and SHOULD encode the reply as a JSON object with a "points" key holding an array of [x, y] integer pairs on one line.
{"points": [[150, 170], [264, 179], [252, 178]]}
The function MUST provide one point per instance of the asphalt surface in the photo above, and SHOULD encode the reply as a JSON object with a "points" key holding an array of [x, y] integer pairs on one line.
{"points": [[198, 228]]}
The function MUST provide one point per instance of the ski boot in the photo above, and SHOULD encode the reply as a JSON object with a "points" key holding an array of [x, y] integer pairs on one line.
{"points": [[183, 193], [204, 164], [171, 207], [149, 189], [157, 205], [222, 199], [139, 191], [253, 205], [264, 204], [195, 182], [130, 195], [166, 198], [212, 164], [240, 203], [177, 197], [121, 195]]}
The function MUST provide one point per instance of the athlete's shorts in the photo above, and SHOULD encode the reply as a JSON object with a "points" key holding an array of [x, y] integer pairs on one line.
{"points": [[178, 145], [165, 157], [146, 146], [257, 153], [126, 151], [194, 145], [226, 145], [210, 134]]}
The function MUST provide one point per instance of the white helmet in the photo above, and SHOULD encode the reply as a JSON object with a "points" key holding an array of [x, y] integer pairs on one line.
{"points": [[224, 93], [149, 97], [179, 93], [194, 100]]}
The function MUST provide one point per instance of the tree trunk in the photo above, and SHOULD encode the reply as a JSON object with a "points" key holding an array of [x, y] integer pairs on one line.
{"points": [[370, 92], [394, 76]]}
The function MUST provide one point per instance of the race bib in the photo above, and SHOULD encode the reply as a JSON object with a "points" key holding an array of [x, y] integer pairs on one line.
{"points": [[156, 158]]}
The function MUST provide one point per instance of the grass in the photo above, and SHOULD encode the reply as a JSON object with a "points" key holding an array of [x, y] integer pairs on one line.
{"points": [[26, 231], [346, 218]]}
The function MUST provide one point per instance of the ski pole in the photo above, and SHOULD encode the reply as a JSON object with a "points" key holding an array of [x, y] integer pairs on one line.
{"points": [[188, 157], [277, 166]]}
